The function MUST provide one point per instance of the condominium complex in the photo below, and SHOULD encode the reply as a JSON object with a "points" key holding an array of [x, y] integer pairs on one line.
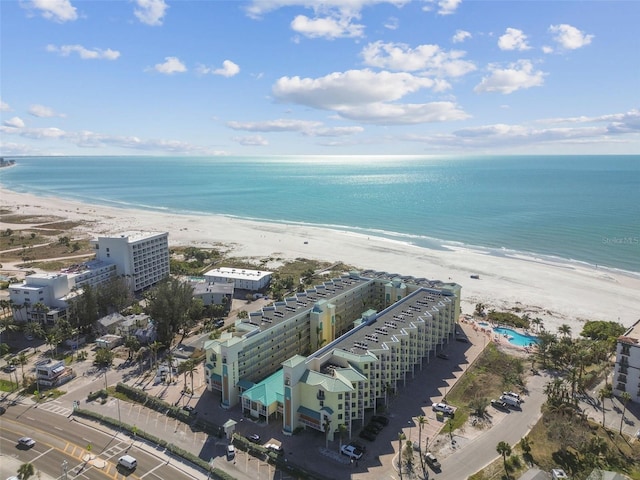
{"points": [[626, 373], [368, 333], [141, 257]]}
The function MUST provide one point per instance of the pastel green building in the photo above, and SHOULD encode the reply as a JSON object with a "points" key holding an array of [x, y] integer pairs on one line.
{"points": [[368, 332]]}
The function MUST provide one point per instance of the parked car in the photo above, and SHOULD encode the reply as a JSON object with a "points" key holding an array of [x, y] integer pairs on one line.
{"points": [[231, 452], [367, 435], [511, 401], [219, 323], [382, 420], [358, 446], [9, 368], [27, 442], [432, 461], [442, 407], [513, 395], [254, 437], [500, 405], [2, 410], [274, 448], [188, 408], [351, 451], [128, 462]]}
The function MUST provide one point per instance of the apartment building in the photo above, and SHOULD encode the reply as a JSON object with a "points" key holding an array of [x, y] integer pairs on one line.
{"points": [[141, 257], [368, 334], [626, 372]]}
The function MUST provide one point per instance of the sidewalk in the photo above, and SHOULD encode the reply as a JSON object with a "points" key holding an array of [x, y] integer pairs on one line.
{"points": [[9, 467]]}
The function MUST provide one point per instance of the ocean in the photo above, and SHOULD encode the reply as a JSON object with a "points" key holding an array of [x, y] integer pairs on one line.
{"points": [[582, 209]]}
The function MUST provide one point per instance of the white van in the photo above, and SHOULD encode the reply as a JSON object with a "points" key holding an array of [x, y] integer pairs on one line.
{"points": [[127, 461]]}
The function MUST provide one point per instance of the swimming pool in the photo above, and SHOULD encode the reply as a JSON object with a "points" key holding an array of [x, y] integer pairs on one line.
{"points": [[516, 338]]}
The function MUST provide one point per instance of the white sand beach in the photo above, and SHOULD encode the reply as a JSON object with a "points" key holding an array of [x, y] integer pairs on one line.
{"points": [[556, 292]]}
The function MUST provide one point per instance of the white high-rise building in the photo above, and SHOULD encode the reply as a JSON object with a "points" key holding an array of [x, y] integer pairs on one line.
{"points": [[141, 257]]}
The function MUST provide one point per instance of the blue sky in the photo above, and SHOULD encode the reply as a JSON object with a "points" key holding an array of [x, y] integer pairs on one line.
{"points": [[341, 77]]}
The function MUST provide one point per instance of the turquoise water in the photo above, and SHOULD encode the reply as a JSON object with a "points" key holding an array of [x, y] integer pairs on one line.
{"points": [[516, 338], [572, 208]]}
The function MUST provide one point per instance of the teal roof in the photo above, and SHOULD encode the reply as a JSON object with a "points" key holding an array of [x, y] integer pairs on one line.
{"points": [[307, 412], [245, 384], [268, 391]]}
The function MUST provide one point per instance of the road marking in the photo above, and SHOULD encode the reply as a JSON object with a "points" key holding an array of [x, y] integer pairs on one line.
{"points": [[41, 455], [58, 428], [153, 469]]}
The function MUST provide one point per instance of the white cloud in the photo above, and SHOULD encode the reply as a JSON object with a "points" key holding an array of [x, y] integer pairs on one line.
{"points": [[150, 12], [353, 87], [279, 125], [258, 8], [335, 131], [84, 53], [56, 10], [229, 69], [513, 39], [444, 7], [568, 37], [170, 66], [43, 112], [460, 36], [327, 27], [547, 49], [252, 141], [429, 59], [4, 107], [517, 76], [392, 23], [14, 122], [364, 96]]}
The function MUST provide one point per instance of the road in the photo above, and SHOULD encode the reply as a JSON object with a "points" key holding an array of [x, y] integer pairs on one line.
{"points": [[481, 451], [89, 453]]}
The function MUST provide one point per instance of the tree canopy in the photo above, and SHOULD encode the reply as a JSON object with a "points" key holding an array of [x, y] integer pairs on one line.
{"points": [[169, 305]]}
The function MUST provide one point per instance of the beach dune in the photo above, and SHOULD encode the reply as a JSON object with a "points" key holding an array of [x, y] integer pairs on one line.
{"points": [[558, 293]]}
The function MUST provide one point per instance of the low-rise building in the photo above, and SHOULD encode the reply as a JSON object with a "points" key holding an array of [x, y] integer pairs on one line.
{"points": [[243, 279], [626, 372]]}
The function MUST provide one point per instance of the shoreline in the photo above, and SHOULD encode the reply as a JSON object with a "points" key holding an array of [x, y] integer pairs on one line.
{"points": [[558, 292]]}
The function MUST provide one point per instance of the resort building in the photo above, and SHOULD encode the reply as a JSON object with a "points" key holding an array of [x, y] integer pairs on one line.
{"points": [[243, 279], [141, 257], [369, 334], [626, 372]]}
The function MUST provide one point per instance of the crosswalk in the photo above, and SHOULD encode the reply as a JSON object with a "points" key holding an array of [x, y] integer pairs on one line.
{"points": [[55, 406]]}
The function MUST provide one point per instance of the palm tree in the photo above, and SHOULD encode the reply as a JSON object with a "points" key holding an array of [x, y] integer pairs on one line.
{"points": [[7, 324], [504, 449], [421, 423], [22, 359], [602, 394], [342, 428], [133, 345], [154, 347], [564, 330], [190, 370], [327, 425], [401, 438], [626, 396], [25, 471]]}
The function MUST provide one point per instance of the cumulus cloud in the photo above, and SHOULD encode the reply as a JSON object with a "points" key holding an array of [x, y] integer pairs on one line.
{"points": [[150, 12], [335, 131], [513, 39], [43, 112], [56, 10], [84, 53], [4, 107], [392, 23], [569, 37], [258, 8], [365, 96], [430, 59], [170, 66], [443, 7], [228, 69], [327, 27], [14, 122], [460, 36], [517, 76]]}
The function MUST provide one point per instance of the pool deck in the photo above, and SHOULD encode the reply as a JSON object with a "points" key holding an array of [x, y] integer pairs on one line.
{"points": [[501, 340]]}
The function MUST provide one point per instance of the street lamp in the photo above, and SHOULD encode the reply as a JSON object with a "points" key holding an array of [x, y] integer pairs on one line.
{"points": [[64, 469], [410, 423]]}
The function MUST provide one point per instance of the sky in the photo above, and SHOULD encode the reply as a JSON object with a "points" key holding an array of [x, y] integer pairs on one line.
{"points": [[309, 77]]}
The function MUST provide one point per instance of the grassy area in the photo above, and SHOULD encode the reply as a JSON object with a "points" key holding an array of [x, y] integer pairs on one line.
{"points": [[7, 385]]}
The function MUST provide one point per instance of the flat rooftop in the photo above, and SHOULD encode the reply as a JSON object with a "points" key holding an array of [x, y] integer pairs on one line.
{"points": [[237, 273]]}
